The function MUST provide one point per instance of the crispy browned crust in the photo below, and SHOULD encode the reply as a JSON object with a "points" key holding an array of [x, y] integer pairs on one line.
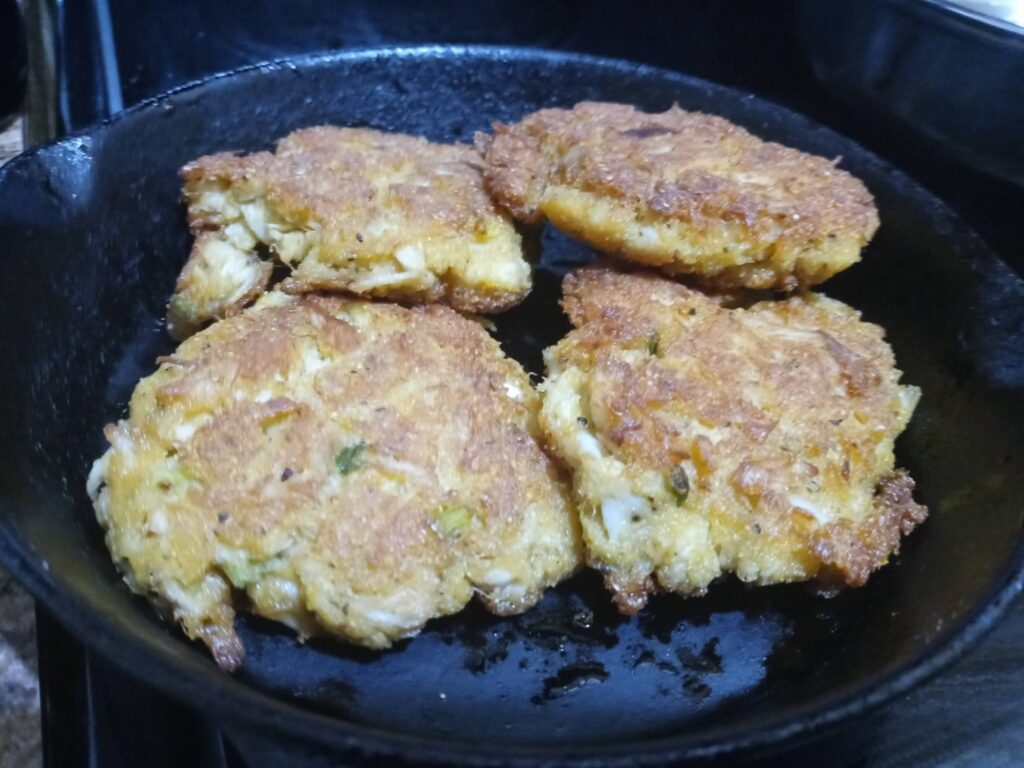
{"points": [[339, 205], [239, 440], [733, 209], [782, 416], [320, 174], [849, 553]]}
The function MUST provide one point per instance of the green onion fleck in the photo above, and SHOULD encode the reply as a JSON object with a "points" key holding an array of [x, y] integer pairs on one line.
{"points": [[241, 573], [653, 342], [182, 307], [347, 459], [451, 522]]}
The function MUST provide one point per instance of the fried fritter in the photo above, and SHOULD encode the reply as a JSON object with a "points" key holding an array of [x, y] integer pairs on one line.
{"points": [[686, 192], [353, 468], [707, 440], [353, 209]]}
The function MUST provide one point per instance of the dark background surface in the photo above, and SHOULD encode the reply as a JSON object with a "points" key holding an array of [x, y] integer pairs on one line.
{"points": [[12, 58], [112, 55]]}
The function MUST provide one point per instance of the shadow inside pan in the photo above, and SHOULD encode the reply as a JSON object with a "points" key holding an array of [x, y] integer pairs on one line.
{"points": [[93, 235]]}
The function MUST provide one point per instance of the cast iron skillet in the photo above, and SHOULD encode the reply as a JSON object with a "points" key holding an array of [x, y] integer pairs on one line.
{"points": [[91, 237]]}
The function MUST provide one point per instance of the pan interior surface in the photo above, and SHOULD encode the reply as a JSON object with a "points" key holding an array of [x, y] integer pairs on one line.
{"points": [[92, 235]]}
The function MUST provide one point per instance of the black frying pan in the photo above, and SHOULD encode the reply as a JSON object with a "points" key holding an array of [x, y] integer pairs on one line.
{"points": [[91, 238]]}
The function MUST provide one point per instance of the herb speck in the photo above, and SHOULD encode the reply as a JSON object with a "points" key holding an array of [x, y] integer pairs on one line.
{"points": [[679, 482], [347, 459]]}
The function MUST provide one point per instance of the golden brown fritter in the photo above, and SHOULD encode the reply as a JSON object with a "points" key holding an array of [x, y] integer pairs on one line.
{"points": [[353, 468], [706, 440], [686, 192], [351, 209]]}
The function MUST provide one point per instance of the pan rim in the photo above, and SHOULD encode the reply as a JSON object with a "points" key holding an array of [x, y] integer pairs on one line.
{"points": [[238, 705]]}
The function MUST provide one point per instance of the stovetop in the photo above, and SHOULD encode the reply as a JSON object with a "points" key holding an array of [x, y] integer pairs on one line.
{"points": [[110, 54]]}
